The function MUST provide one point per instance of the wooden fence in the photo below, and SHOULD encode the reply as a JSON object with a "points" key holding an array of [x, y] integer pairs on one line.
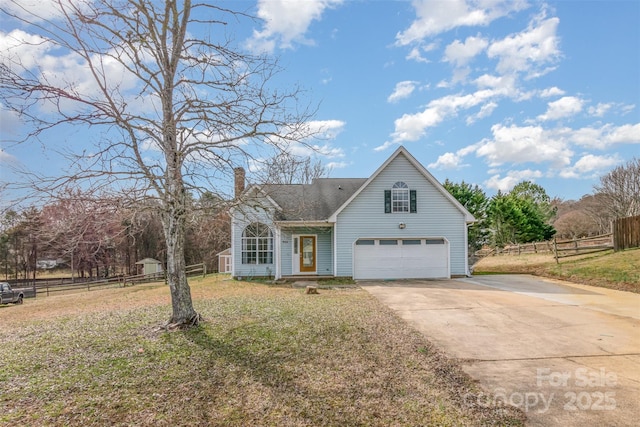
{"points": [[51, 286], [626, 233], [586, 245], [559, 248]]}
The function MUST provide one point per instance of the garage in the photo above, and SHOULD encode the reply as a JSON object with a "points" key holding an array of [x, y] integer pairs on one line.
{"points": [[406, 258]]}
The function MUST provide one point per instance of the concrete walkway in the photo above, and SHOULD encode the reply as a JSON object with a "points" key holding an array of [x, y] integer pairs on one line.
{"points": [[568, 355]]}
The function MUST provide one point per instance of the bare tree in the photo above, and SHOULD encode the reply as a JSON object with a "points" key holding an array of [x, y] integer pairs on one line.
{"points": [[620, 190], [286, 168], [177, 104]]}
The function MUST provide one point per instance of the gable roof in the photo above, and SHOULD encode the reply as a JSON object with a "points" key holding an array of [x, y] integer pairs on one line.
{"points": [[311, 202], [403, 151]]}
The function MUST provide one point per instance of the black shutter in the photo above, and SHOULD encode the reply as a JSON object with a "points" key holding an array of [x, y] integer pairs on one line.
{"points": [[413, 202], [387, 201]]}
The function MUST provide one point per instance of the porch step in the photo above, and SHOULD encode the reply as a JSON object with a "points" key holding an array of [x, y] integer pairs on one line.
{"points": [[313, 278]]}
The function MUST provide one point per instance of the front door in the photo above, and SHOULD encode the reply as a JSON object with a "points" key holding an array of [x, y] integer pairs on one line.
{"points": [[307, 254]]}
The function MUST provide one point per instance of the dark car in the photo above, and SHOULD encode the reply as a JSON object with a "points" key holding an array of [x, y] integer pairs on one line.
{"points": [[8, 295]]}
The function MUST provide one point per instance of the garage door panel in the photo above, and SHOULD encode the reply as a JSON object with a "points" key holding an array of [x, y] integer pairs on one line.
{"points": [[382, 260]]}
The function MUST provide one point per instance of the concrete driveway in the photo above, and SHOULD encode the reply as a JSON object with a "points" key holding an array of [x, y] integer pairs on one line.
{"points": [[568, 355]]}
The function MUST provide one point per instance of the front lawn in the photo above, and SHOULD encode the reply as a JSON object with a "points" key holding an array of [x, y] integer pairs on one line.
{"points": [[266, 356], [613, 270]]}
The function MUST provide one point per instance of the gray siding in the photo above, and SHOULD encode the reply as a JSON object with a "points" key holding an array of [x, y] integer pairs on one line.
{"points": [[436, 217]]}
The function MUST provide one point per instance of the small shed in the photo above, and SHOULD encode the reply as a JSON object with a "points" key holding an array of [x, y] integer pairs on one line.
{"points": [[150, 266], [224, 261]]}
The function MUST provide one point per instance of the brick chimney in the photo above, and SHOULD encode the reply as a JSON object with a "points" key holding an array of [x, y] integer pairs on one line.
{"points": [[238, 176]]}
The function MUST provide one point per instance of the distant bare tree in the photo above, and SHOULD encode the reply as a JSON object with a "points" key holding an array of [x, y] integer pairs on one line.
{"points": [[84, 230], [620, 190], [574, 224], [178, 105], [286, 168]]}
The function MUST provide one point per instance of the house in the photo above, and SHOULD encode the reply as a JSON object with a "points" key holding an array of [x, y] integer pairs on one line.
{"points": [[224, 261], [399, 223], [150, 266]]}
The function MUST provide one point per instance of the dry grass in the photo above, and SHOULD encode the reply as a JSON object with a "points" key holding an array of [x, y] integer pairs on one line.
{"points": [[265, 356], [613, 270]]}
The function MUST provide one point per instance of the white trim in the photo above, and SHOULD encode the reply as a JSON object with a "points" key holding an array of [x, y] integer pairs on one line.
{"points": [[276, 251], [334, 249], [297, 224], [447, 243], [315, 254], [401, 150], [233, 245]]}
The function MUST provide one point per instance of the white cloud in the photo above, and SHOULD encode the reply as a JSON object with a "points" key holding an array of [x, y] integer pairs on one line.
{"points": [[45, 61], [514, 144], [326, 150], [566, 106], [506, 183], [402, 90], [623, 134], [485, 111], [436, 16], [326, 129], [387, 144], [416, 53], [411, 127], [38, 10], [603, 136], [627, 108], [529, 50], [505, 85], [447, 161], [600, 109], [337, 165], [552, 91], [461, 53], [6, 157], [590, 166], [286, 22], [21, 47]]}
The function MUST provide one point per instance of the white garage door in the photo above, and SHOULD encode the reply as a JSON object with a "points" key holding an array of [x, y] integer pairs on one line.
{"points": [[419, 258]]}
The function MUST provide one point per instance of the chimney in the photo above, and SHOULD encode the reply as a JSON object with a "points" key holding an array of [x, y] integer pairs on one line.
{"points": [[238, 176]]}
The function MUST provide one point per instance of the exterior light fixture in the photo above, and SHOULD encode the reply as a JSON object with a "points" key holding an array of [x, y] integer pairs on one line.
{"points": [[402, 225]]}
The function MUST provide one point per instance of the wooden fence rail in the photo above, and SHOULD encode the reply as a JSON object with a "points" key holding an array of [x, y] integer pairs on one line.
{"points": [[559, 248], [587, 245], [48, 287]]}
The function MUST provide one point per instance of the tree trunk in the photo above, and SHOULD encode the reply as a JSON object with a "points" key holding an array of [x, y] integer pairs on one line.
{"points": [[184, 314]]}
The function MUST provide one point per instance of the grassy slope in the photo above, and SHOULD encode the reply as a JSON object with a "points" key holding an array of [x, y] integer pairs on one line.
{"points": [[265, 356], [614, 270]]}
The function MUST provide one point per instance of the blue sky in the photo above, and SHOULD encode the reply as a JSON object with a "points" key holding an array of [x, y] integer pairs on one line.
{"points": [[486, 91]]}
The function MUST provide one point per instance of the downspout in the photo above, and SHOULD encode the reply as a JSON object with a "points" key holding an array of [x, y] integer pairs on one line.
{"points": [[277, 245]]}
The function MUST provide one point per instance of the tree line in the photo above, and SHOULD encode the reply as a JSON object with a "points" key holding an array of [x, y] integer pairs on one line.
{"points": [[527, 213], [101, 237]]}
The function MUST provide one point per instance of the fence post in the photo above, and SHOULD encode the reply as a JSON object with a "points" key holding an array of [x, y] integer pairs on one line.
{"points": [[555, 249], [204, 270]]}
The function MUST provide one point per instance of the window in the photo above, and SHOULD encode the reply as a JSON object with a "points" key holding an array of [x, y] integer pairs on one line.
{"points": [[412, 242], [388, 242], [400, 199], [257, 244], [434, 241], [365, 242]]}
